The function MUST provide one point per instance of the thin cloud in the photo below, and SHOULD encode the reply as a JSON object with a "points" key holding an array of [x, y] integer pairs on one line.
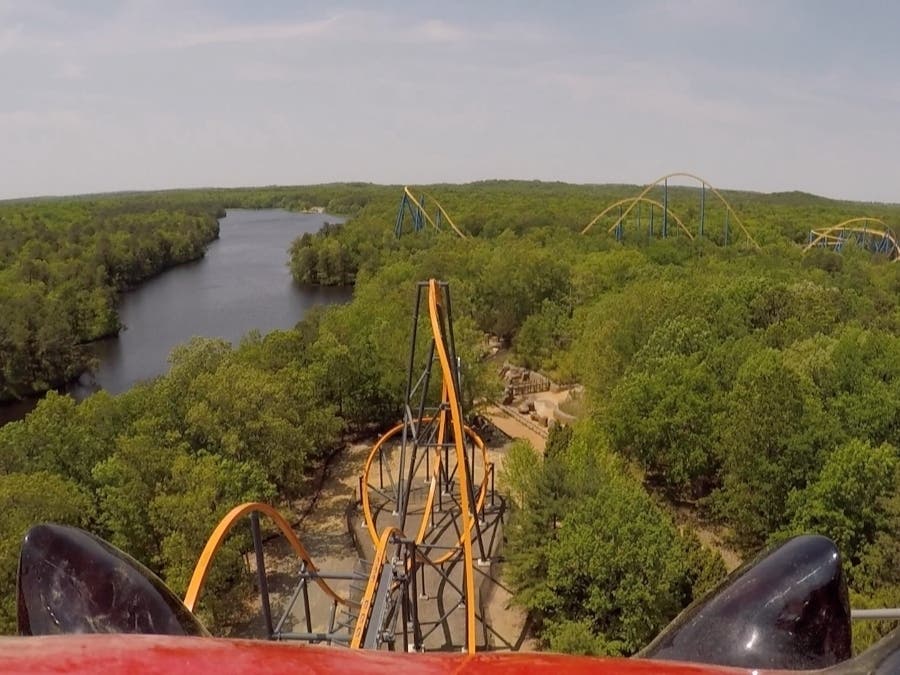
{"points": [[40, 120], [71, 71], [642, 86], [436, 31], [264, 72], [701, 14], [268, 32], [10, 38], [16, 38], [360, 26], [31, 10]]}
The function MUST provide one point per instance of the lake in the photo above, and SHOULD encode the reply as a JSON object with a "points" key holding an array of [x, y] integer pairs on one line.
{"points": [[242, 283]]}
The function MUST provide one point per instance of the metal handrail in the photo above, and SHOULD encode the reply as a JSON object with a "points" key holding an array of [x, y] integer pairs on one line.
{"points": [[873, 614]]}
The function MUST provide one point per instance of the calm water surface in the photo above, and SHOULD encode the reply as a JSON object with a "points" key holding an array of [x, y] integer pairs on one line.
{"points": [[243, 283]]}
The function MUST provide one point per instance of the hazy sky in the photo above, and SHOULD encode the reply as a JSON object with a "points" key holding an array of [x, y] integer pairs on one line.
{"points": [[135, 94]]}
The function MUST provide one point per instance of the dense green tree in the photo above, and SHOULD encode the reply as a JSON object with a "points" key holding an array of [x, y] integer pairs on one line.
{"points": [[772, 443], [591, 555], [559, 438], [200, 491], [514, 283], [663, 415], [521, 471], [127, 482], [57, 438], [765, 376], [247, 414], [544, 336], [846, 501]]}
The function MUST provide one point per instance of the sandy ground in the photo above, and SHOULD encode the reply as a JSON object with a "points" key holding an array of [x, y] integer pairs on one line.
{"points": [[511, 424], [323, 530], [711, 536]]}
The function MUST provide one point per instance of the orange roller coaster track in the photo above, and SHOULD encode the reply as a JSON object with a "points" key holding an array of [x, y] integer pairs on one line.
{"points": [[642, 197], [450, 499], [434, 483], [432, 461], [201, 570], [366, 606], [438, 313]]}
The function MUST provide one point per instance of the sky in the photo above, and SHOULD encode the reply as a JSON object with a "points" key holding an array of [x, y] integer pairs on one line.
{"points": [[104, 95]]}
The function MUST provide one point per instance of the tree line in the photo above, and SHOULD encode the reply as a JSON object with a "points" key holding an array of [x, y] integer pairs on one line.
{"points": [[62, 266], [758, 386], [64, 262]]}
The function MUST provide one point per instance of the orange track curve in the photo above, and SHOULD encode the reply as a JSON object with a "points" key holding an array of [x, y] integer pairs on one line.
{"points": [[434, 308], [201, 570], [459, 431], [423, 525]]}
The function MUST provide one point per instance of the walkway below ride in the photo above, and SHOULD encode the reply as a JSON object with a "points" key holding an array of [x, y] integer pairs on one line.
{"points": [[516, 426]]}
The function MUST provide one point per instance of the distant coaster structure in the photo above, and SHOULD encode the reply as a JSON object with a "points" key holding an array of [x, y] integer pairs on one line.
{"points": [[419, 210], [869, 233], [662, 226], [414, 207]]}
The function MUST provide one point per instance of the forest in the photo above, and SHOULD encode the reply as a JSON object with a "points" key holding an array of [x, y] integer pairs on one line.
{"points": [[740, 378], [62, 265], [757, 384]]}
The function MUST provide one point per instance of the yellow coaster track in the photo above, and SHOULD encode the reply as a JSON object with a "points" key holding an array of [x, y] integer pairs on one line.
{"points": [[642, 197], [416, 205], [645, 200], [835, 236]]}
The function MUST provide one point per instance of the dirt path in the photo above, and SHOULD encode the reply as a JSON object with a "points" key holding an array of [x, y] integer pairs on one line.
{"points": [[326, 520], [513, 427], [322, 529], [711, 536], [321, 524]]}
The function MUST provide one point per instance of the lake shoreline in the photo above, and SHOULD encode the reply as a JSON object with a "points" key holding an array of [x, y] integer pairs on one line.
{"points": [[239, 282], [88, 368]]}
